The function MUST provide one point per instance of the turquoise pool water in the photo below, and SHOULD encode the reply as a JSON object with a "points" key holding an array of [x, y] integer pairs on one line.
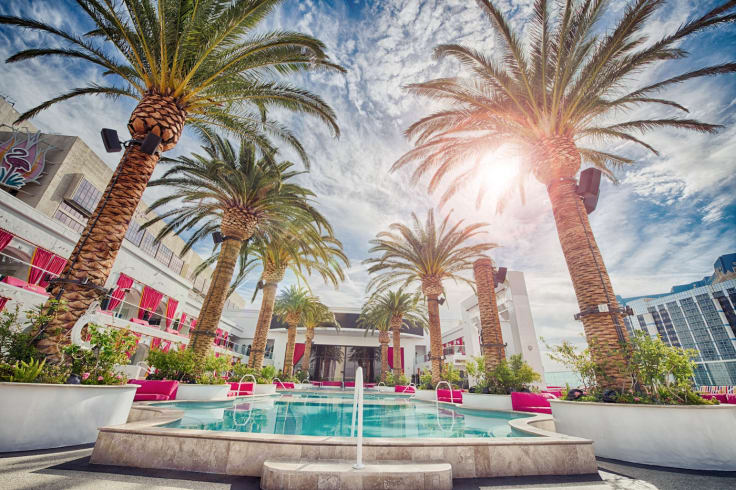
{"points": [[313, 415]]}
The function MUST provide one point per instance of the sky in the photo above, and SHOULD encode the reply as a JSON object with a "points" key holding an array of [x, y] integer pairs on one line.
{"points": [[665, 223]]}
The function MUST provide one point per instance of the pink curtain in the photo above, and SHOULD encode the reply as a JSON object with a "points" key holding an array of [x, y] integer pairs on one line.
{"points": [[56, 265], [3, 302], [150, 299], [391, 358], [298, 352], [39, 262], [170, 311], [5, 237], [124, 283]]}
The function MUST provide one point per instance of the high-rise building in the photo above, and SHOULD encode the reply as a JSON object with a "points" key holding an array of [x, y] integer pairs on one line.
{"points": [[699, 315]]}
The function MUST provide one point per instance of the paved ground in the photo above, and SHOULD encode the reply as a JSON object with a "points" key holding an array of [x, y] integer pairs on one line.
{"points": [[70, 468]]}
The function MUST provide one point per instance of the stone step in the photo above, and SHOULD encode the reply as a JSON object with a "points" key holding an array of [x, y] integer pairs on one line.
{"points": [[340, 474]]}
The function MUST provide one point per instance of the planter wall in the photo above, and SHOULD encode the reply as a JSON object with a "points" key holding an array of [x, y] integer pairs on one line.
{"points": [[264, 389], [43, 416], [698, 437], [202, 392], [487, 402]]}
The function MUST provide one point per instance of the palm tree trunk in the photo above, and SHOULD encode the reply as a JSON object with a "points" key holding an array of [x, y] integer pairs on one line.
{"points": [[383, 340], [260, 338], [396, 330], [307, 349], [604, 331], [435, 337], [490, 325], [95, 253], [214, 302], [289, 356]]}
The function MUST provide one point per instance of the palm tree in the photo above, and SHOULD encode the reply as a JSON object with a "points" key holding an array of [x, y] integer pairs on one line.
{"points": [[425, 254], [303, 251], [205, 64], [371, 319], [492, 344], [548, 98], [238, 193], [317, 315], [397, 308], [290, 307]]}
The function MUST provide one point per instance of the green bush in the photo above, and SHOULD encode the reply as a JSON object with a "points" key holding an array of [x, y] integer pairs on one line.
{"points": [[178, 365], [239, 370], [509, 375], [109, 346], [392, 380], [266, 375], [27, 372], [301, 376], [449, 373]]}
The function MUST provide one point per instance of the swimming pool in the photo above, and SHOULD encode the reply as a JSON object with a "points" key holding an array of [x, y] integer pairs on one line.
{"points": [[310, 414]]}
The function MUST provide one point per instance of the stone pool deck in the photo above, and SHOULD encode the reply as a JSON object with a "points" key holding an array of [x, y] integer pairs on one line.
{"points": [[142, 444], [70, 468]]}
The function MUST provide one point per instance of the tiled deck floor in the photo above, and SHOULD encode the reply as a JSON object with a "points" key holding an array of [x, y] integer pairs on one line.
{"points": [[69, 468]]}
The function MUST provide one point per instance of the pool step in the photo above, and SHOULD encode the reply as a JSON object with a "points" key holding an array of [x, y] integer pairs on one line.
{"points": [[339, 474]]}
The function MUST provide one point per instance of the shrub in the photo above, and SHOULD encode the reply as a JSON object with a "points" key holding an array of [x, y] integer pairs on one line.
{"points": [[509, 375], [239, 370], [96, 365], [178, 365], [301, 376], [27, 372], [266, 375], [392, 380], [449, 373]]}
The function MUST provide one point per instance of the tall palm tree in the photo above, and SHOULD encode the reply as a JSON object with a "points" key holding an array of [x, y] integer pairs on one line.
{"points": [[317, 315], [399, 309], [237, 192], [425, 254], [303, 252], [492, 345], [205, 64], [290, 307], [548, 97]]}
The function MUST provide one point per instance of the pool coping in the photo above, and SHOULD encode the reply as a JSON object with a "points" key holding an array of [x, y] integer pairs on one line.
{"points": [[142, 442]]}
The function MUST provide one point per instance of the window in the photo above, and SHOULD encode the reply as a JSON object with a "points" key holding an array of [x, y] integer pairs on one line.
{"points": [[164, 254], [176, 264], [86, 196], [70, 217], [148, 244], [134, 233]]}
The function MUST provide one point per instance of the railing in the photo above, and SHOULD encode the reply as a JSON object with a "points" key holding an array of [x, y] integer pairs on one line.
{"points": [[358, 410], [436, 389], [280, 383]]}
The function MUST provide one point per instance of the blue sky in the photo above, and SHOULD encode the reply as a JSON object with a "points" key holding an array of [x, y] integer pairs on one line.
{"points": [[666, 223]]}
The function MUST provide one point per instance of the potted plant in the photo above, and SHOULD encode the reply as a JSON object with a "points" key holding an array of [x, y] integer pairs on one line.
{"points": [[264, 378], [655, 417], [47, 405], [492, 388], [392, 380], [195, 382]]}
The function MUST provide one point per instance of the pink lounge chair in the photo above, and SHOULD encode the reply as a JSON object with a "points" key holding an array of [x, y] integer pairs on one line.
{"points": [[722, 398], [349, 384], [154, 390], [332, 383], [404, 389], [316, 383], [369, 385], [241, 389], [530, 402], [14, 281], [451, 396], [556, 393], [285, 385]]}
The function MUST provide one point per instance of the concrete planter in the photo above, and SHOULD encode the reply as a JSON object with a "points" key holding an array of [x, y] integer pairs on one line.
{"points": [[486, 402], [264, 389], [202, 392], [43, 416], [426, 395], [697, 437], [385, 389]]}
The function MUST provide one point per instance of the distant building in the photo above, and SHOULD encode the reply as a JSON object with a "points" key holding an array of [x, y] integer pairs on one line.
{"points": [[699, 315], [462, 341]]}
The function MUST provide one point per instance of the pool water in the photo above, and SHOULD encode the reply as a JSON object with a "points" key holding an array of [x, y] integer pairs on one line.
{"points": [[314, 415]]}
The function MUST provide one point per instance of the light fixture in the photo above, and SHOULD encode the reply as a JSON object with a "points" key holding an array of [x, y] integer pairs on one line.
{"points": [[217, 237], [589, 188], [112, 142]]}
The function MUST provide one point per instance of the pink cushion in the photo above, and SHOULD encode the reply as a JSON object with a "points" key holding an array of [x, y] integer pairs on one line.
{"points": [[456, 396], [285, 385], [14, 281], [720, 397], [349, 384], [530, 402], [241, 386], [404, 389], [166, 388], [36, 289], [369, 385], [331, 383], [316, 383], [147, 397], [556, 393]]}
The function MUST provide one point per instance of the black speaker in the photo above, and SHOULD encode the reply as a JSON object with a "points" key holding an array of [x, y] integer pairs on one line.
{"points": [[110, 140], [150, 143], [589, 188], [499, 276]]}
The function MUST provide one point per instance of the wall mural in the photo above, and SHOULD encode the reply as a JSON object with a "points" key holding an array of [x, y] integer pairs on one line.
{"points": [[22, 156]]}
